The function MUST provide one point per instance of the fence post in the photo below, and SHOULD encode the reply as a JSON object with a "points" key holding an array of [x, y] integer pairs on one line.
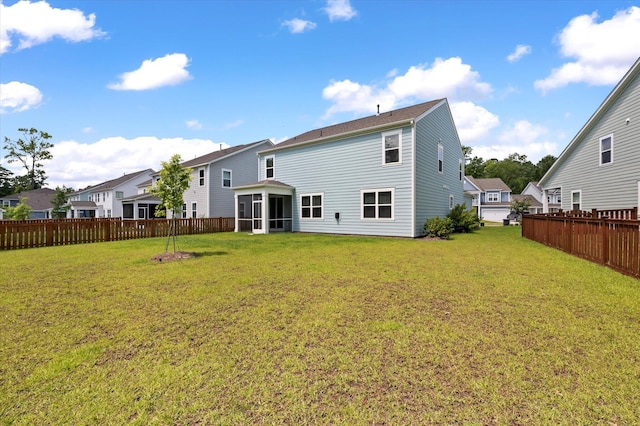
{"points": [[605, 241]]}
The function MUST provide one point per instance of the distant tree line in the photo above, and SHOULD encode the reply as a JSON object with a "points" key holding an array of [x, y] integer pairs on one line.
{"points": [[515, 170]]}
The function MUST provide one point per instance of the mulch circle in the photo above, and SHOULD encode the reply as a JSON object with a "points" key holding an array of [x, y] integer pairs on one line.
{"points": [[172, 256]]}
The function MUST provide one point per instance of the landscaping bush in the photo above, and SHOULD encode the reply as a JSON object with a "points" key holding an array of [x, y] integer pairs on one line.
{"points": [[438, 227], [463, 220]]}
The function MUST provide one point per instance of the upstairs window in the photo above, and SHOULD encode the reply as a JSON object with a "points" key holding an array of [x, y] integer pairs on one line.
{"points": [[440, 158], [226, 178], [606, 150], [391, 147], [270, 167], [119, 195], [493, 197], [194, 210], [311, 206], [201, 177], [460, 170]]}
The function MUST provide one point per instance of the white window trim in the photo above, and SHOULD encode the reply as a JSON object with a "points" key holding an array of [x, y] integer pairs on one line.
{"points": [[230, 178], [579, 191], [377, 219], [440, 158], [202, 180], [266, 159], [451, 200], [600, 151], [496, 193], [384, 151], [194, 209], [321, 194]]}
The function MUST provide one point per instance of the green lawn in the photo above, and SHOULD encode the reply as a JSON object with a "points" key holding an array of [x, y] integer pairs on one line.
{"points": [[314, 329]]}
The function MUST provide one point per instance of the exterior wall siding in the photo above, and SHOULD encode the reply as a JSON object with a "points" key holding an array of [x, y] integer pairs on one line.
{"points": [[196, 193], [613, 185], [340, 170], [244, 170], [432, 187]]}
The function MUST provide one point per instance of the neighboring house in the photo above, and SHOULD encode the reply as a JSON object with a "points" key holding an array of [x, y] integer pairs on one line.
{"points": [[535, 206], [213, 176], [534, 190], [491, 197], [108, 196], [79, 204], [142, 204], [38, 199], [600, 168], [380, 175]]}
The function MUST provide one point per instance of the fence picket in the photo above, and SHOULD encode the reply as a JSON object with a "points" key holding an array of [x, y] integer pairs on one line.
{"points": [[53, 232]]}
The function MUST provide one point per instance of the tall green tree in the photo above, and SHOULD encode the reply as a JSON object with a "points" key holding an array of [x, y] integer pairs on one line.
{"points": [[59, 202], [544, 165], [515, 170], [30, 150], [174, 180], [6, 182]]}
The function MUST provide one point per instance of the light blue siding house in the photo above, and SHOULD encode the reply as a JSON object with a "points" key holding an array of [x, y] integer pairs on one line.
{"points": [[380, 175], [600, 168]]}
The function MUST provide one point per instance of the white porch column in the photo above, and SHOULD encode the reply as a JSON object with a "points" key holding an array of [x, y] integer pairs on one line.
{"points": [[265, 209], [235, 207], [545, 201]]}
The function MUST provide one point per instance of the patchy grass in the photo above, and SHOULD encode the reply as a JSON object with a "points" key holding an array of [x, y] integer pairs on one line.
{"points": [[313, 329]]}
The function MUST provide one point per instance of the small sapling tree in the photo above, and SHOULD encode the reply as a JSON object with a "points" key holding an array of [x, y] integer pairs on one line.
{"points": [[174, 180]]}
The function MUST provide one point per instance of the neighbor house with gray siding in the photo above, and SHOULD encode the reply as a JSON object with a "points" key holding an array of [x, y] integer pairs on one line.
{"points": [[214, 174], [383, 174], [600, 168]]}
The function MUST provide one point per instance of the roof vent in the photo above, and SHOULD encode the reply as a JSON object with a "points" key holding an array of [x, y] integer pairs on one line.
{"points": [[378, 113]]}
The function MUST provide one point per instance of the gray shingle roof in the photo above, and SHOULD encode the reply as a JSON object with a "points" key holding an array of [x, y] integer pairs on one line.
{"points": [[361, 124], [215, 155], [38, 199], [110, 184], [489, 184]]}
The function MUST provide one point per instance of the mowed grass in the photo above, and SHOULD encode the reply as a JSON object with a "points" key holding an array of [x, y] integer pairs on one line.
{"points": [[487, 328]]}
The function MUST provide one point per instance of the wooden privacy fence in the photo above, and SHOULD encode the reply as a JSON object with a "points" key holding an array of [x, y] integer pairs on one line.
{"points": [[594, 236], [21, 234]]}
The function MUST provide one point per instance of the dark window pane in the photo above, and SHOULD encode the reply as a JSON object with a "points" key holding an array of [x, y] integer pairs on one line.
{"points": [[306, 200], [269, 173], [369, 211], [384, 197], [385, 212], [606, 144], [606, 157], [317, 200], [317, 212], [269, 162], [392, 156], [369, 198], [306, 212]]}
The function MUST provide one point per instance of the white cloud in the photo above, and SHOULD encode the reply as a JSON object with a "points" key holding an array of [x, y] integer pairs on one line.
{"points": [[521, 50], [35, 23], [193, 124], [473, 122], [522, 137], [339, 10], [602, 52], [78, 165], [16, 96], [297, 26], [153, 73], [233, 124], [444, 78]]}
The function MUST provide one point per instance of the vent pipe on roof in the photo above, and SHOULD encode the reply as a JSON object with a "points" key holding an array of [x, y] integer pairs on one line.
{"points": [[378, 113]]}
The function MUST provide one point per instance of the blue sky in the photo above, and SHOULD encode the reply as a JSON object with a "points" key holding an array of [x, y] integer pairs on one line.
{"points": [[123, 85]]}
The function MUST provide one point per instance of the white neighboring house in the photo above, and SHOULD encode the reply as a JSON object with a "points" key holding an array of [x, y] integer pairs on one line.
{"points": [[535, 191], [600, 168], [108, 196], [491, 197]]}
